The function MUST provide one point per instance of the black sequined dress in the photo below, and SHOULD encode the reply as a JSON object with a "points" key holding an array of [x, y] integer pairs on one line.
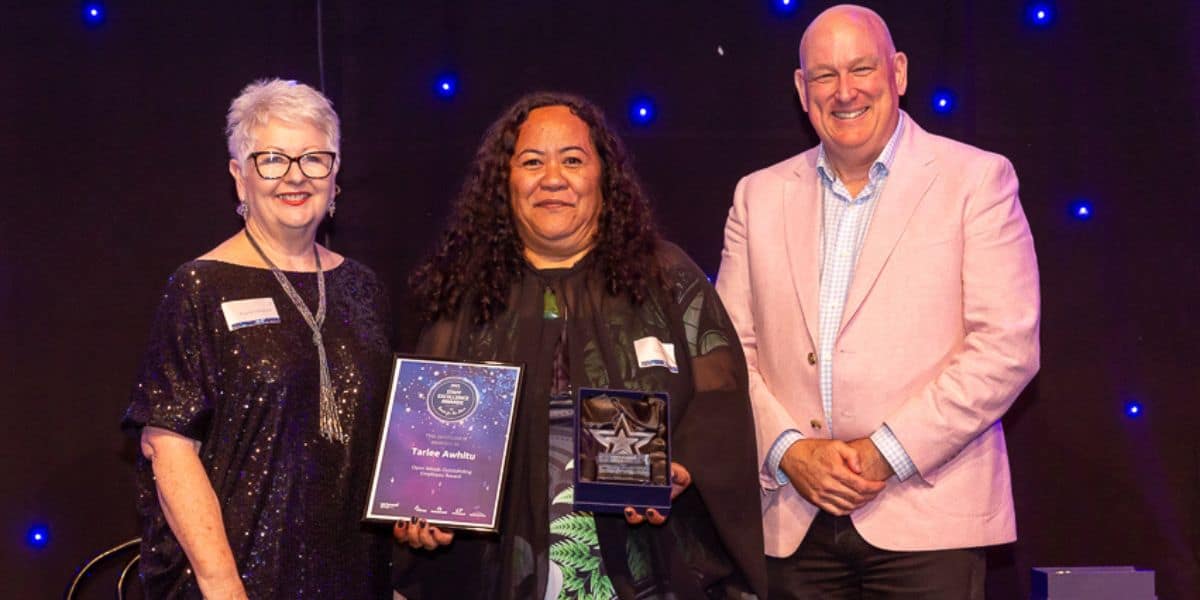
{"points": [[291, 500]]}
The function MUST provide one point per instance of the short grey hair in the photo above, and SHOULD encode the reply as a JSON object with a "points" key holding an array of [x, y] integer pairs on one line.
{"points": [[288, 101]]}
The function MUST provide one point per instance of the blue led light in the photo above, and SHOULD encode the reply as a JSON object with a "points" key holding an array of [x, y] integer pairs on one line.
{"points": [[1082, 209], [1133, 409], [38, 536], [943, 101], [641, 111], [93, 13], [785, 7], [1039, 14], [446, 85]]}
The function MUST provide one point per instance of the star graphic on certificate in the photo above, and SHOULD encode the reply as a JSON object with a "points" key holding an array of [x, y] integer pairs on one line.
{"points": [[622, 439]]}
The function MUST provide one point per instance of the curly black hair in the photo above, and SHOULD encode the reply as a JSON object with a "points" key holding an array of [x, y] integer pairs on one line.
{"points": [[480, 253]]}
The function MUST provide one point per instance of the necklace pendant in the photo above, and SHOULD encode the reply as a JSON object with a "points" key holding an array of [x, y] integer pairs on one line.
{"points": [[549, 305]]}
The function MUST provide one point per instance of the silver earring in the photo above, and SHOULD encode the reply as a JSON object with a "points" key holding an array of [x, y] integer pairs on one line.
{"points": [[337, 189], [243, 210]]}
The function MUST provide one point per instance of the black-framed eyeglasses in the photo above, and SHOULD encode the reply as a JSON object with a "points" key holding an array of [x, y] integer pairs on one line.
{"points": [[274, 165]]}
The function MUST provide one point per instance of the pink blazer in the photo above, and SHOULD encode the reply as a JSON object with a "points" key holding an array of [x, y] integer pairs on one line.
{"points": [[939, 335]]}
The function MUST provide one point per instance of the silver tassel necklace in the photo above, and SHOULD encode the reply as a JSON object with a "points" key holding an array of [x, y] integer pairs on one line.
{"points": [[331, 427]]}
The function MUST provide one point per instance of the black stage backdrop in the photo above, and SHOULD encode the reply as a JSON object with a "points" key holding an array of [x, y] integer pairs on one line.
{"points": [[114, 171]]}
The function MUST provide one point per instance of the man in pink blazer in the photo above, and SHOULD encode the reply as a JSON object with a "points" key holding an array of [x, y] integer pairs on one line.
{"points": [[885, 289]]}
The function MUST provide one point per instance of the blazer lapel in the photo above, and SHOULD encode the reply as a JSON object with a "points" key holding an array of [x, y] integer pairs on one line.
{"points": [[802, 233], [911, 177]]}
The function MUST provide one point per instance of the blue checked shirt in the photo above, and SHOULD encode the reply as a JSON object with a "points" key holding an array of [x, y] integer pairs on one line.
{"points": [[844, 228]]}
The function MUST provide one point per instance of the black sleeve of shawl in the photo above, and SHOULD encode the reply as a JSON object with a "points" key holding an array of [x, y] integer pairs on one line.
{"points": [[715, 438]]}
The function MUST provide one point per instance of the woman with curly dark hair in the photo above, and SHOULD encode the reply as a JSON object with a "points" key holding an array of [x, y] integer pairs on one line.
{"points": [[551, 259]]}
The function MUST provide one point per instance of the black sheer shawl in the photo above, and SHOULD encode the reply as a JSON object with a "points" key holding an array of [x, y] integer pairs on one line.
{"points": [[711, 545]]}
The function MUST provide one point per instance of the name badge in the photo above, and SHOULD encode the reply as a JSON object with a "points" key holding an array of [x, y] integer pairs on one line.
{"points": [[652, 352], [250, 312]]}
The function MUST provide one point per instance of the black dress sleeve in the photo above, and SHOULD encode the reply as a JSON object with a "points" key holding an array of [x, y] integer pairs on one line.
{"points": [[172, 390]]}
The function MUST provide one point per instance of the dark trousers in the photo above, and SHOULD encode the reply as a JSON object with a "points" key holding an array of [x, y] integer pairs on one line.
{"points": [[834, 562]]}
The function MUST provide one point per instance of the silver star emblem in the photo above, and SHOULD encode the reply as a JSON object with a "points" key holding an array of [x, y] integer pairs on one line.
{"points": [[622, 439]]}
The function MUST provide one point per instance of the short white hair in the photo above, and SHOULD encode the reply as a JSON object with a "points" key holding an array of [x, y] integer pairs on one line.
{"points": [[286, 100]]}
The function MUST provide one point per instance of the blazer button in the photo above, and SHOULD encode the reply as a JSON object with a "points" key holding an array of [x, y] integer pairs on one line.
{"points": [[816, 424], [812, 358]]}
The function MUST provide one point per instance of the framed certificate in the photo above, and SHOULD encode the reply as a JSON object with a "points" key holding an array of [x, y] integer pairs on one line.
{"points": [[443, 451]]}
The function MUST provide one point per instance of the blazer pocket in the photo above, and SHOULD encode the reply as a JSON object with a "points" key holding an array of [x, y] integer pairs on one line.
{"points": [[918, 243], [975, 481]]}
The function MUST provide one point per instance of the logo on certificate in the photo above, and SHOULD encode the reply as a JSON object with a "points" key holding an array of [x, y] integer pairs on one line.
{"points": [[452, 399]]}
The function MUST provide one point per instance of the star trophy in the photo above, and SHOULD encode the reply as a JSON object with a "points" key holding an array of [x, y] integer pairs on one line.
{"points": [[622, 451]]}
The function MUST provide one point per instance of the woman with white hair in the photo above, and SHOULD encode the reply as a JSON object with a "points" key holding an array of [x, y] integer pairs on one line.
{"points": [[262, 389]]}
